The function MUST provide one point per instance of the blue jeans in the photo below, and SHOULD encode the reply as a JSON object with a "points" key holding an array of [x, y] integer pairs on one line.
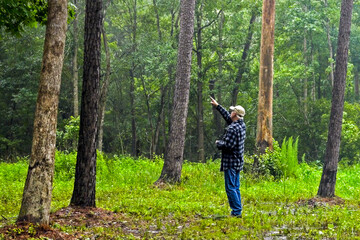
{"points": [[232, 187]]}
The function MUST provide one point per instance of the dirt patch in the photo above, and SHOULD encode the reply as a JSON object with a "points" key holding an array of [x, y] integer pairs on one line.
{"points": [[69, 223], [321, 202]]}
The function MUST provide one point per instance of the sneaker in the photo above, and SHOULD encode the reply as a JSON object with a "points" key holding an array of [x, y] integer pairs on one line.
{"points": [[237, 216]]}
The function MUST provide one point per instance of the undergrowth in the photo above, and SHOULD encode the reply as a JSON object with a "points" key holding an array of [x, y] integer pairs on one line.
{"points": [[273, 208]]}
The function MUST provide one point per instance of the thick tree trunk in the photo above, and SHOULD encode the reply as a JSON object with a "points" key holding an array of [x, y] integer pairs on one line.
{"points": [[75, 70], [264, 121], [242, 68], [35, 206], [85, 175], [328, 178], [171, 171]]}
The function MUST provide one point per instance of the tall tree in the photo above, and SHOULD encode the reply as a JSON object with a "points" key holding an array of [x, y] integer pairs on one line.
{"points": [[174, 158], [328, 178], [75, 70], [105, 83], [85, 175], [200, 107], [133, 16], [264, 121], [35, 206]]}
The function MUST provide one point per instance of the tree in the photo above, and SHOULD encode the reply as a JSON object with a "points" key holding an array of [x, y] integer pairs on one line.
{"points": [[173, 161], [35, 206], [15, 15], [75, 70], [328, 177], [85, 175], [264, 121]]}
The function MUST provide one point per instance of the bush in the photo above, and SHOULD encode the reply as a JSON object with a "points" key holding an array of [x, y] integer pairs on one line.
{"points": [[281, 162]]}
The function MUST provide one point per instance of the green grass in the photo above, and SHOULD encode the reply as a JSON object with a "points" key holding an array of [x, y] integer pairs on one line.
{"points": [[272, 209]]}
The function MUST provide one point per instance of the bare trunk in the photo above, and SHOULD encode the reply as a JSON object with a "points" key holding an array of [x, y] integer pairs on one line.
{"points": [[328, 178], [85, 174], [36, 201], [134, 144], [331, 57], [75, 70], [200, 110], [356, 84], [104, 90], [171, 171], [305, 78], [264, 122]]}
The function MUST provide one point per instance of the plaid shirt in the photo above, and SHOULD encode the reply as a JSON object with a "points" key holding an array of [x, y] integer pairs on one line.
{"points": [[232, 144]]}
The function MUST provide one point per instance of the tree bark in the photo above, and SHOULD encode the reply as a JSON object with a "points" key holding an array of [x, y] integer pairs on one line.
{"points": [[264, 120], [75, 70], [36, 201], [85, 175], [173, 161], [328, 178]]}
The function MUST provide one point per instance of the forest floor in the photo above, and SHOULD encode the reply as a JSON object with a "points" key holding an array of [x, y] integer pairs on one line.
{"points": [[84, 223]]}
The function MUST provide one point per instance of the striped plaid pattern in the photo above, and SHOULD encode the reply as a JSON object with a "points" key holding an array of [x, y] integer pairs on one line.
{"points": [[232, 144]]}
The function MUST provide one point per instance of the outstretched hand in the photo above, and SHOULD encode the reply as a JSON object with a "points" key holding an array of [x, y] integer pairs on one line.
{"points": [[214, 102]]}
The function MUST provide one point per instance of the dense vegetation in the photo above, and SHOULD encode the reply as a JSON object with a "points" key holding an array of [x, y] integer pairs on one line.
{"points": [[197, 208], [302, 76]]}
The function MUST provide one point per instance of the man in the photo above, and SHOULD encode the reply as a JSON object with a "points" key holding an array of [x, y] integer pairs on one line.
{"points": [[232, 148]]}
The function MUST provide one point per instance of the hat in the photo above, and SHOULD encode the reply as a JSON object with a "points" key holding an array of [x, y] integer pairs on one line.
{"points": [[239, 110]]}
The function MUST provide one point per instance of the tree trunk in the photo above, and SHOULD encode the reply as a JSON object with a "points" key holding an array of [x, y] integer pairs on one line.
{"points": [[241, 68], [200, 110], [306, 63], [104, 89], [75, 70], [36, 201], [105, 84], [264, 121], [356, 84], [134, 143], [85, 175], [331, 57], [215, 91], [173, 161], [328, 178]]}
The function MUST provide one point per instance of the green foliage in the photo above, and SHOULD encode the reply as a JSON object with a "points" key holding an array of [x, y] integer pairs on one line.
{"points": [[67, 136], [281, 162], [189, 210], [289, 157]]}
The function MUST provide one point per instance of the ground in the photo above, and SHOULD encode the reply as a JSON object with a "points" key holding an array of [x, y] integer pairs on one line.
{"points": [[83, 219], [91, 223]]}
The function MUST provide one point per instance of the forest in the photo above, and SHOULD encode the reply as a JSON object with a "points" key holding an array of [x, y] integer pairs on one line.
{"points": [[142, 48], [136, 61]]}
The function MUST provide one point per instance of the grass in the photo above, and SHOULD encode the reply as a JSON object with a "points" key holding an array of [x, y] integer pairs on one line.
{"points": [[272, 209]]}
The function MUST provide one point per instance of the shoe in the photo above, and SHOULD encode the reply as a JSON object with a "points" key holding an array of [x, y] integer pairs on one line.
{"points": [[237, 216]]}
